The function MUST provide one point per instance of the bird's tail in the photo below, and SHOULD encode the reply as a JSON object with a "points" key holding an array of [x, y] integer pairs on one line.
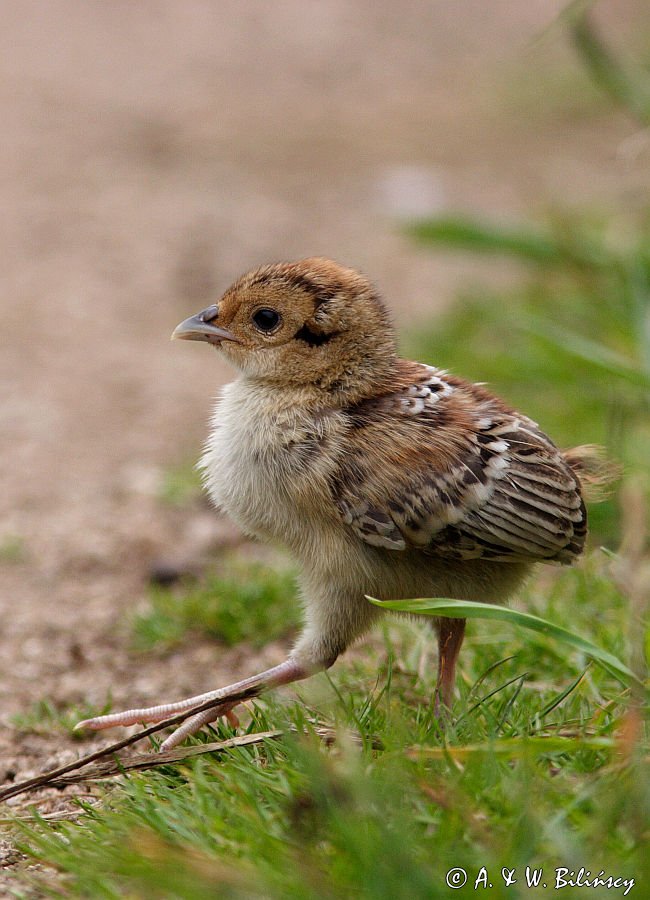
{"points": [[597, 474]]}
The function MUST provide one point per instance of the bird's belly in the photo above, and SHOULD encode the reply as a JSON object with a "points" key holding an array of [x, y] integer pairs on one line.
{"points": [[352, 568]]}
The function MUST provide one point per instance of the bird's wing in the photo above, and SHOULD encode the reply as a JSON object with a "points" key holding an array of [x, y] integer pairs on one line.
{"points": [[443, 466]]}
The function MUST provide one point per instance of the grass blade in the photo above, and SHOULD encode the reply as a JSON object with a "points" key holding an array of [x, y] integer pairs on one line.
{"points": [[468, 609], [517, 678], [589, 351], [561, 697], [627, 86], [479, 237], [517, 747]]}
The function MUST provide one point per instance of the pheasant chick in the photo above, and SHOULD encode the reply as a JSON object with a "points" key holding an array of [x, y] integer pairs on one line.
{"points": [[382, 476]]}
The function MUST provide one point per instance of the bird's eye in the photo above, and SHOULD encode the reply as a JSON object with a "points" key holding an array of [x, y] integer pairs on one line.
{"points": [[266, 319]]}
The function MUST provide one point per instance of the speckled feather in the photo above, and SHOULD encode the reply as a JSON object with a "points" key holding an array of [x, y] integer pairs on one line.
{"points": [[455, 473]]}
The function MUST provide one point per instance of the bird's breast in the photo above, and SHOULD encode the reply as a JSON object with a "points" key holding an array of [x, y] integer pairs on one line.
{"points": [[267, 466]]}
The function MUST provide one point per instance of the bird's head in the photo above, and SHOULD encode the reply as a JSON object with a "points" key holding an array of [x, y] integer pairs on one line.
{"points": [[311, 324]]}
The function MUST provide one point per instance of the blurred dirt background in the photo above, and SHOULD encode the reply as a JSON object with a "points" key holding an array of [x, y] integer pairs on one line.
{"points": [[150, 153]]}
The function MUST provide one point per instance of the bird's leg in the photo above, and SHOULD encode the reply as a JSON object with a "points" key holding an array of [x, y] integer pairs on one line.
{"points": [[333, 620], [286, 673], [450, 637]]}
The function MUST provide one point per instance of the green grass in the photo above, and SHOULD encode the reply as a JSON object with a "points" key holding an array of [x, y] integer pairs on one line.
{"points": [[46, 716], [243, 602], [181, 485], [12, 549], [545, 764], [469, 609]]}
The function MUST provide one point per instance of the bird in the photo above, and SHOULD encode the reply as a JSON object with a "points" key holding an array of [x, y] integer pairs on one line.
{"points": [[382, 476]]}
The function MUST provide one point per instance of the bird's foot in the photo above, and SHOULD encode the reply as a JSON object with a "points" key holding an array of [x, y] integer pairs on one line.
{"points": [[225, 700], [155, 714]]}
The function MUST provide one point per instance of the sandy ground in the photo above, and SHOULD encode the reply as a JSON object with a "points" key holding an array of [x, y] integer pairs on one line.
{"points": [[150, 153]]}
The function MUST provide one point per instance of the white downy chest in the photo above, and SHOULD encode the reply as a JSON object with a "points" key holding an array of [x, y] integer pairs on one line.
{"points": [[266, 466]]}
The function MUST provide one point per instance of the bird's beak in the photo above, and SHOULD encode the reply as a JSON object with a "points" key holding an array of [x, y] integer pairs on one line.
{"points": [[199, 328]]}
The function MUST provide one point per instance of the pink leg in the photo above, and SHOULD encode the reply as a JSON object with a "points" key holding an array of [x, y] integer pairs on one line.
{"points": [[286, 673], [450, 637]]}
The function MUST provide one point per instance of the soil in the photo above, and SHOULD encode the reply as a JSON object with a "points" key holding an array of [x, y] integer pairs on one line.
{"points": [[152, 152]]}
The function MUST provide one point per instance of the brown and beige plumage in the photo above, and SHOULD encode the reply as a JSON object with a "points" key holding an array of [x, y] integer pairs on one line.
{"points": [[462, 476], [382, 476]]}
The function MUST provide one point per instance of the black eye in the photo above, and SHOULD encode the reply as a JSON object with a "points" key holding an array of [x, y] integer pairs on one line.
{"points": [[266, 319]]}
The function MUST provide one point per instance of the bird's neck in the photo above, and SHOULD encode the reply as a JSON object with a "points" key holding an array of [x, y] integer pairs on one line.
{"points": [[335, 389]]}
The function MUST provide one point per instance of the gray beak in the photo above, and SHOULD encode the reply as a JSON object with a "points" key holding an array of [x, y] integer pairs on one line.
{"points": [[198, 328]]}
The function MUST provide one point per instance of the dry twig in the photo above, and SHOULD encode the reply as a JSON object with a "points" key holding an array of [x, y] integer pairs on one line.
{"points": [[47, 779]]}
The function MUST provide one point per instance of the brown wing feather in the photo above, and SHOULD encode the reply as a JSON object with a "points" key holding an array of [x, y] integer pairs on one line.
{"points": [[462, 476]]}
